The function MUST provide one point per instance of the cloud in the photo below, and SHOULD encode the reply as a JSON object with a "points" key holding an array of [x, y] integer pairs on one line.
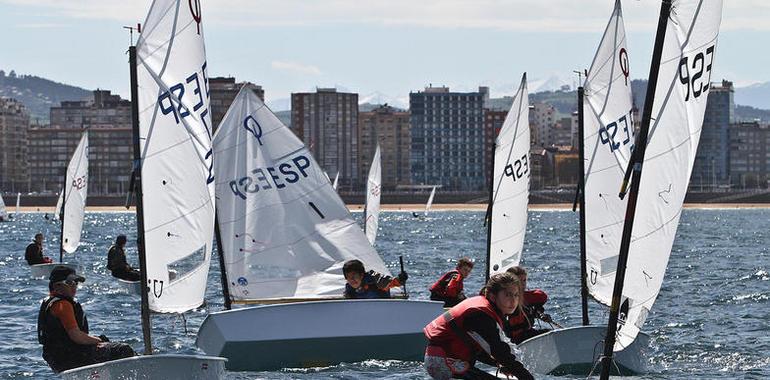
{"points": [[519, 15], [295, 67]]}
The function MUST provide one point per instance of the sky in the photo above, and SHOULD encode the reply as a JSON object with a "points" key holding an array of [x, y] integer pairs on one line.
{"points": [[385, 47]]}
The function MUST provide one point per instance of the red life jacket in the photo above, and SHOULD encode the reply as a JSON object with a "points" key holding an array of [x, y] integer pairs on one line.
{"points": [[523, 318], [439, 288], [448, 331]]}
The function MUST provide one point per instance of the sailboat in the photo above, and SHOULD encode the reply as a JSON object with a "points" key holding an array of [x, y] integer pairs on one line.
{"points": [[336, 180], [73, 208], [428, 204], [373, 194], [18, 204], [173, 185], [284, 235], [662, 161], [606, 137], [3, 212]]}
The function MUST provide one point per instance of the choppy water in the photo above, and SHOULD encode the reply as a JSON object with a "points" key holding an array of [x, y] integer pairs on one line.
{"points": [[712, 319]]}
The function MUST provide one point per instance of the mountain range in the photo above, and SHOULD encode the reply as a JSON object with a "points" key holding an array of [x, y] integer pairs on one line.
{"points": [[40, 94]]}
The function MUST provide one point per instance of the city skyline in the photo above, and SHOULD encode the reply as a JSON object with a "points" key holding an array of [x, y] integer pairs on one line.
{"points": [[376, 49]]}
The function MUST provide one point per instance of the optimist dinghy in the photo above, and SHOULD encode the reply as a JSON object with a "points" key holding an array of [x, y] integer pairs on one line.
{"points": [[284, 236]]}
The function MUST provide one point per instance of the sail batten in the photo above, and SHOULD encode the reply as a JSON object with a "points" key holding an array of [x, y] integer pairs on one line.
{"points": [[510, 186], [285, 231]]}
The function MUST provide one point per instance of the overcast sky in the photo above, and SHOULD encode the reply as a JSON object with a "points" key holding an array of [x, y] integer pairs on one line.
{"points": [[367, 46]]}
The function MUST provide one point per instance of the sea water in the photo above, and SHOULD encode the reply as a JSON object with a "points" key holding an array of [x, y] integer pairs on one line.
{"points": [[711, 320]]}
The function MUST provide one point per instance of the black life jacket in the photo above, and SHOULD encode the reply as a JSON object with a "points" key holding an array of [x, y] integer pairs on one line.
{"points": [[50, 331]]}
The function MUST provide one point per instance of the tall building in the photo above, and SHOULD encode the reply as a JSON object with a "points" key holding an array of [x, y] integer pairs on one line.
{"points": [[390, 127], [542, 117], [448, 138], [14, 123], [712, 158], [327, 122], [222, 92], [493, 122], [749, 161], [108, 120]]}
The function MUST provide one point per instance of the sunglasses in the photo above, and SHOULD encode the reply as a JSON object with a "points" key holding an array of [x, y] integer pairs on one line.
{"points": [[72, 283]]}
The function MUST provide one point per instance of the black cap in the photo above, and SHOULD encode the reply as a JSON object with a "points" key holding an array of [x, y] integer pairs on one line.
{"points": [[62, 273], [121, 239]]}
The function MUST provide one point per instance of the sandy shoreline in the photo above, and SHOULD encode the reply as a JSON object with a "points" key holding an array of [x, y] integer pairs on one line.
{"points": [[436, 207]]}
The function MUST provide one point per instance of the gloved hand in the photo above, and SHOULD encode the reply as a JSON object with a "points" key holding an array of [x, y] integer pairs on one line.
{"points": [[402, 277], [517, 370], [104, 338]]}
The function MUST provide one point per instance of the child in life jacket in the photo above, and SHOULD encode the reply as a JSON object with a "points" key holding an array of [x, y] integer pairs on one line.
{"points": [[521, 323], [361, 285], [474, 330], [449, 288]]}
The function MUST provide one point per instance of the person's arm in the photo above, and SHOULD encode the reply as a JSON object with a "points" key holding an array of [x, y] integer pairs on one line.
{"points": [[63, 311], [488, 335]]}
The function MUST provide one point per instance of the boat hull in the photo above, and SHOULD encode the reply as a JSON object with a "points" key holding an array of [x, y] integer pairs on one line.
{"points": [[44, 270], [130, 287], [318, 333], [575, 350], [195, 367]]}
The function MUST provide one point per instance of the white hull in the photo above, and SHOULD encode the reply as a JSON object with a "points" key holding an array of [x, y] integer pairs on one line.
{"points": [[318, 333], [44, 270], [575, 350], [152, 367]]}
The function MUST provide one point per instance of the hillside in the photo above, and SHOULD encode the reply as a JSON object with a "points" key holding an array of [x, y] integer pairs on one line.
{"points": [[38, 94]]}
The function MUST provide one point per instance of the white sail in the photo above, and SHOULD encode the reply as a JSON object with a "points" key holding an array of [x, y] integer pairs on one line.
{"points": [[177, 176], [75, 194], [510, 185], [608, 137], [336, 180], [677, 117], [57, 209], [373, 193], [18, 204], [430, 200], [3, 212], [285, 231]]}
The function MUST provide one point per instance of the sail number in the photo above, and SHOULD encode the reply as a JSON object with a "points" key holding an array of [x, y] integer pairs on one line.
{"points": [[79, 183], [608, 133], [287, 172], [518, 168], [692, 80]]}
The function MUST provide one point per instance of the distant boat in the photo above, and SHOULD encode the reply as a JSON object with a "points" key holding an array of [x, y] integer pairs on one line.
{"points": [[18, 204], [284, 235], [428, 204], [373, 194], [71, 211], [336, 180], [173, 185], [3, 212]]}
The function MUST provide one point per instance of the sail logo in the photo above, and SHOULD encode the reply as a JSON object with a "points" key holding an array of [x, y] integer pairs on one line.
{"points": [[271, 177], [157, 287], [254, 128], [195, 12], [623, 58], [689, 79], [607, 133], [515, 170]]}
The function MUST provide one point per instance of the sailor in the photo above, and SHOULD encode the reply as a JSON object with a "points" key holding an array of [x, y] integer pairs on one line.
{"points": [[361, 284], [473, 330], [521, 323], [117, 264], [62, 327], [34, 252], [449, 288]]}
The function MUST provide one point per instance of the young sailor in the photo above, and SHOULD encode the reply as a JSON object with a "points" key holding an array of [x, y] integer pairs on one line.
{"points": [[117, 264], [473, 330], [361, 284], [521, 322], [449, 288], [62, 327], [34, 252]]}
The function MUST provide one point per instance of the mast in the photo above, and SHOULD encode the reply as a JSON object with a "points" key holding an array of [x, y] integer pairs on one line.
{"points": [[146, 323], [636, 161], [61, 217], [222, 267], [582, 201], [489, 205]]}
